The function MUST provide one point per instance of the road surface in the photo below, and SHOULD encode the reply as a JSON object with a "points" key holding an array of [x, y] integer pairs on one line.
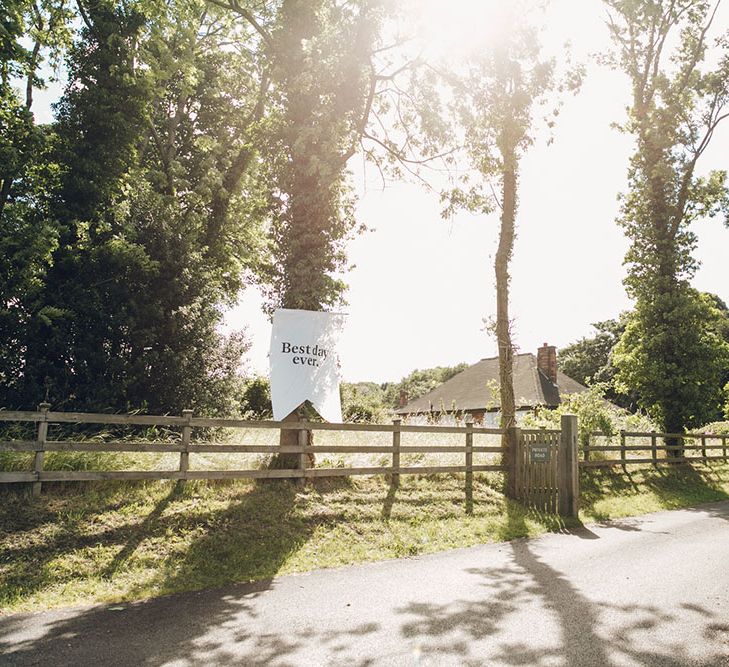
{"points": [[647, 591]]}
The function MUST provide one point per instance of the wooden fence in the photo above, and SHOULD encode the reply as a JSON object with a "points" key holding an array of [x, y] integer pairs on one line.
{"points": [[549, 483], [186, 446], [631, 453]]}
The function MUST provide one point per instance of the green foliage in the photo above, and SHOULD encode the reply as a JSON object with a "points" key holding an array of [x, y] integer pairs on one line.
{"points": [[135, 234], [29, 34], [364, 402], [673, 357], [590, 361], [322, 78], [670, 354], [256, 399], [594, 413]]}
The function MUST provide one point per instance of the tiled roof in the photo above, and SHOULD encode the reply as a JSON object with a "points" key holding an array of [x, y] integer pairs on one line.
{"points": [[477, 388]]}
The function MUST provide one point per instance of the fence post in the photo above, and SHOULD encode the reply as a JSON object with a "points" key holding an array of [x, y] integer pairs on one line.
{"points": [[703, 447], [509, 458], [622, 450], [396, 452], [469, 463], [723, 444], [185, 443], [569, 480], [41, 446], [303, 441], [654, 449]]}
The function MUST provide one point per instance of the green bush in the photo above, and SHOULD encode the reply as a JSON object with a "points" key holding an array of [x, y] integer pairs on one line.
{"points": [[594, 415]]}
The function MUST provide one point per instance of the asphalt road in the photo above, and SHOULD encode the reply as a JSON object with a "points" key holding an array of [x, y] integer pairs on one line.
{"points": [[646, 591]]}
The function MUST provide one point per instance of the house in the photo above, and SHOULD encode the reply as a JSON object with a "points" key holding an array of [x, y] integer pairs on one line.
{"points": [[475, 391]]}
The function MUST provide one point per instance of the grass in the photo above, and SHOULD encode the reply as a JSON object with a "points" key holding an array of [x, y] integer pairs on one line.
{"points": [[114, 542], [612, 494]]}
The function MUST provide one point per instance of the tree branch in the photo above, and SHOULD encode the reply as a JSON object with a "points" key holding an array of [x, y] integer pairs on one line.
{"points": [[233, 6], [84, 15], [405, 160]]}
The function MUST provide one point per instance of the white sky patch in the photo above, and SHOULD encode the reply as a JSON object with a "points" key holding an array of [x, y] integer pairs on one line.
{"points": [[422, 286]]}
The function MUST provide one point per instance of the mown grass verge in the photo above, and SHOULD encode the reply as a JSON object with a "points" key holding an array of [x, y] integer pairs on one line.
{"points": [[114, 542]]}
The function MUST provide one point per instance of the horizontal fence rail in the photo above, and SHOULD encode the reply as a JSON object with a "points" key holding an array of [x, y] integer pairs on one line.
{"points": [[183, 426], [673, 453]]}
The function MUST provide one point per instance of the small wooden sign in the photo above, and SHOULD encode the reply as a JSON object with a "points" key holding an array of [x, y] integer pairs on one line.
{"points": [[539, 454]]}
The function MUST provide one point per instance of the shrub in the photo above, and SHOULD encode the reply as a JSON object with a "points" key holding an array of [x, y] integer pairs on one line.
{"points": [[594, 415]]}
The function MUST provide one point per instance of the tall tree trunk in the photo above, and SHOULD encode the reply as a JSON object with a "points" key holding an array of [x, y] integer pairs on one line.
{"points": [[501, 266]]}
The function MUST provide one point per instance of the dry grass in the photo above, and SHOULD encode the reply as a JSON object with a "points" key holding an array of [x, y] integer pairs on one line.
{"points": [[233, 461]]}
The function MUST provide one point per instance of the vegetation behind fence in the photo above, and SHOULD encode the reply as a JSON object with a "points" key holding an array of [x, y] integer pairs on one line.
{"points": [[365, 449], [640, 447], [395, 450]]}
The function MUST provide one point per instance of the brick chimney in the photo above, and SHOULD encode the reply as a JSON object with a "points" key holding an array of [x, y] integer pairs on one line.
{"points": [[403, 400], [547, 361]]}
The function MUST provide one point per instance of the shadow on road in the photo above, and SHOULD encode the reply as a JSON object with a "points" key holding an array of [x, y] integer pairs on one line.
{"points": [[209, 627], [458, 630]]}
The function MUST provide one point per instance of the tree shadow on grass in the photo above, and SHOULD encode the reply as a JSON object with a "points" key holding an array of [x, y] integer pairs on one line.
{"points": [[678, 483], [389, 501], [141, 532], [684, 483], [37, 533], [248, 539]]}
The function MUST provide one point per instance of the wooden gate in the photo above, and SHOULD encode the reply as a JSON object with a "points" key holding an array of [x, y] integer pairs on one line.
{"points": [[537, 469]]}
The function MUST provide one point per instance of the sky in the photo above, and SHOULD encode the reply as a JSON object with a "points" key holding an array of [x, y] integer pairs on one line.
{"points": [[423, 286]]}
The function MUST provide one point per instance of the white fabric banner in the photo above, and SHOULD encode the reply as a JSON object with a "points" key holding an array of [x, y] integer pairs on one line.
{"points": [[304, 362]]}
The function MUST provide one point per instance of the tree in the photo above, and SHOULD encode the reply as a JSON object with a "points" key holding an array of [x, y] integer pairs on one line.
{"points": [[336, 89], [364, 402], [322, 74], [155, 145], [682, 389], [496, 102], [30, 33], [44, 25], [590, 361], [669, 354]]}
